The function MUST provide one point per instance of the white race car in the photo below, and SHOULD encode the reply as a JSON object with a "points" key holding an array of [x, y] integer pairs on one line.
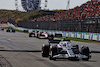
{"points": [[64, 50], [42, 35]]}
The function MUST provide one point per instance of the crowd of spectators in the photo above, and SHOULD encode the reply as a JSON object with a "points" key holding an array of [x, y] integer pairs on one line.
{"points": [[88, 9]]}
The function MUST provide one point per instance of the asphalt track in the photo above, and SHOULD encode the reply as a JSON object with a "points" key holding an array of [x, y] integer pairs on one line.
{"points": [[18, 50]]}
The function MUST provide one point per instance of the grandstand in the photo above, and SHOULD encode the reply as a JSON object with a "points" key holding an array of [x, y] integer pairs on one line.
{"points": [[84, 18], [88, 9]]}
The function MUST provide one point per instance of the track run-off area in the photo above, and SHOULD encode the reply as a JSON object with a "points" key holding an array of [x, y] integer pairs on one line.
{"points": [[18, 50]]}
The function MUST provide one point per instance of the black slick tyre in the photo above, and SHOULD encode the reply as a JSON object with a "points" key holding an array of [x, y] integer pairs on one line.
{"points": [[45, 50], [30, 34], [85, 51], [54, 52]]}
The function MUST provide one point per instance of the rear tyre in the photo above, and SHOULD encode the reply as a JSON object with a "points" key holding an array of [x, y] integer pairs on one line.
{"points": [[30, 34], [2, 29], [7, 30], [13, 31]]}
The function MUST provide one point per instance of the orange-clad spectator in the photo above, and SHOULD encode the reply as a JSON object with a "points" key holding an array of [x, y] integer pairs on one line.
{"points": [[88, 9]]}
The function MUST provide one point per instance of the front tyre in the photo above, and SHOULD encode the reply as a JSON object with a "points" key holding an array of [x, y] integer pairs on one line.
{"points": [[85, 51], [53, 52], [45, 50]]}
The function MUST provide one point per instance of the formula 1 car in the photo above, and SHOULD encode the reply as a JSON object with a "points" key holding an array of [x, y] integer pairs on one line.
{"points": [[10, 30], [42, 35], [34, 34], [46, 35], [64, 50]]}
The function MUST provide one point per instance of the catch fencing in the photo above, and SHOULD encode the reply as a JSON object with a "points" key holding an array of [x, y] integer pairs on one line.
{"points": [[87, 28], [91, 24]]}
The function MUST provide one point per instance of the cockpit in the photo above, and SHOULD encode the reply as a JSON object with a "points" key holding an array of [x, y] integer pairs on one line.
{"points": [[65, 44]]}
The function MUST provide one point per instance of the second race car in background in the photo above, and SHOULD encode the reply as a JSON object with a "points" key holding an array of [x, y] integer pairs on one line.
{"points": [[10, 30], [33, 33], [40, 35]]}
